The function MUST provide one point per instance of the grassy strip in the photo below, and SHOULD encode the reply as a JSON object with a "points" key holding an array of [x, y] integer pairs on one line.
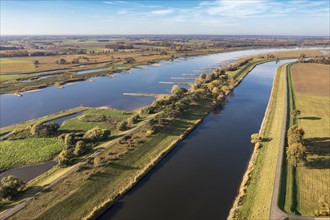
{"points": [[110, 181], [42, 119], [27, 151], [254, 198], [304, 185]]}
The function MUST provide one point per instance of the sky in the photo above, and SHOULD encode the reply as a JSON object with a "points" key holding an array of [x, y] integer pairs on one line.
{"points": [[218, 17]]}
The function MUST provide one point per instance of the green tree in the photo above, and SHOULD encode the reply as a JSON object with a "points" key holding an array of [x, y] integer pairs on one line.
{"points": [[81, 148], [44, 130], [175, 89], [122, 126], [36, 63], [295, 113], [97, 134], [296, 130], [65, 157], [255, 138], [11, 186], [296, 153]]}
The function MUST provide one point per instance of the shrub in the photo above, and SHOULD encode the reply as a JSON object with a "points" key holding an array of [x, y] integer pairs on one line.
{"points": [[133, 119], [11, 186], [295, 138], [44, 130], [65, 157], [175, 89], [296, 153], [93, 118], [97, 134], [69, 140], [81, 148], [19, 134], [296, 130], [122, 126], [255, 138], [148, 110], [98, 161]]}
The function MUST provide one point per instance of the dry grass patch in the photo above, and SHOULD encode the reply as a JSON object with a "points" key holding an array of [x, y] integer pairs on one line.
{"points": [[311, 79], [313, 179], [16, 66]]}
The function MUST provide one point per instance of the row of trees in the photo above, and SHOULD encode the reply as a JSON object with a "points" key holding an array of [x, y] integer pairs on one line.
{"points": [[296, 151]]}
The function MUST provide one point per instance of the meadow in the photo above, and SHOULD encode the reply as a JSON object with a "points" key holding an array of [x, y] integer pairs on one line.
{"points": [[33, 149], [311, 85]]}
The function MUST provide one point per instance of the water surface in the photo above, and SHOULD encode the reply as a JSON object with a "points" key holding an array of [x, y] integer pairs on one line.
{"points": [[108, 91]]}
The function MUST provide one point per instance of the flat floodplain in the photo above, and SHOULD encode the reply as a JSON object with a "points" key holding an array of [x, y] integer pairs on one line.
{"points": [[311, 84]]}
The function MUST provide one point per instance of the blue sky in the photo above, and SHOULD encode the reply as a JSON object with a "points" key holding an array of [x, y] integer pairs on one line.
{"points": [[281, 17]]}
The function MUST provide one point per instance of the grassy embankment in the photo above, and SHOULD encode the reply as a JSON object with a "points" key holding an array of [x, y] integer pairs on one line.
{"points": [[38, 149], [84, 192], [309, 93], [254, 199]]}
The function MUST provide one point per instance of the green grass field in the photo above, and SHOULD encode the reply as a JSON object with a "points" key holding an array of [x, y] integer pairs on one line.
{"points": [[27, 151], [76, 124], [33, 150]]}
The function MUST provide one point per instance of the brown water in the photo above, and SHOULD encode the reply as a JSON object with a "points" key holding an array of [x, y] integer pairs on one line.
{"points": [[199, 179]]}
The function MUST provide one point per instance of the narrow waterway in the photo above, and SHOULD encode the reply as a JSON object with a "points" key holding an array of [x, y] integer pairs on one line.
{"points": [[108, 91], [199, 179]]}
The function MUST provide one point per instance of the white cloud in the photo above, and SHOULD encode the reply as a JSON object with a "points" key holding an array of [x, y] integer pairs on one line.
{"points": [[162, 12], [237, 8]]}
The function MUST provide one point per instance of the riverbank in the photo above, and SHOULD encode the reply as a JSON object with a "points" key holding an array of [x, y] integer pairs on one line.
{"points": [[254, 200], [255, 193]]}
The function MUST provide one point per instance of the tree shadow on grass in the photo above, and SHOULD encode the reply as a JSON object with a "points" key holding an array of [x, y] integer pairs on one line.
{"points": [[318, 146], [123, 167], [319, 149], [318, 163], [310, 118]]}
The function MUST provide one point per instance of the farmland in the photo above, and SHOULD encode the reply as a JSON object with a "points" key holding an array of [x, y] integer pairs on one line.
{"points": [[311, 96]]}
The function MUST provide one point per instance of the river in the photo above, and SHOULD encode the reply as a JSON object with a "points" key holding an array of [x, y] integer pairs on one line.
{"points": [[108, 91], [200, 178]]}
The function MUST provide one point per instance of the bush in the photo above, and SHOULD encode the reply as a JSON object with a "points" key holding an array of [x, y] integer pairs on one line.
{"points": [[44, 130], [296, 153], [255, 138], [122, 126], [296, 130], [65, 157], [11, 186], [93, 118], [133, 119], [97, 134], [81, 148], [295, 138], [148, 110], [19, 134]]}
